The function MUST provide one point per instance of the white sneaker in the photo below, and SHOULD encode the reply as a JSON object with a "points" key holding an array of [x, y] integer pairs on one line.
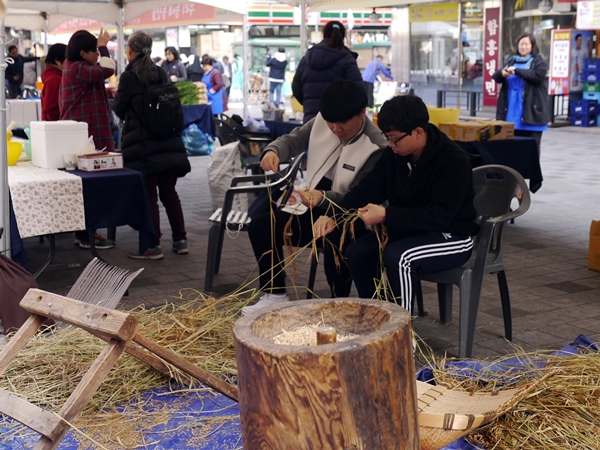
{"points": [[266, 300]]}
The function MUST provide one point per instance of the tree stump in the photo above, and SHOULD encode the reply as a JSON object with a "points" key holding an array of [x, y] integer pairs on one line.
{"points": [[355, 394]]}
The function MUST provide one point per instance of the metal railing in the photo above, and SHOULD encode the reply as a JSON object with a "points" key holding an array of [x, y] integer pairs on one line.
{"points": [[472, 99]]}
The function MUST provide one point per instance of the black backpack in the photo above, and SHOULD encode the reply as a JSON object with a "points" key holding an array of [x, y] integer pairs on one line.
{"points": [[162, 113]]}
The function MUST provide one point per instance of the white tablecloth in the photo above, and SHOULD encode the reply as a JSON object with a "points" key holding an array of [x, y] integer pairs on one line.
{"points": [[45, 201]]}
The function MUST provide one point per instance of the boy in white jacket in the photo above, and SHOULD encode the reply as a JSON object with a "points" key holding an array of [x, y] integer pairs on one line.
{"points": [[343, 145]]}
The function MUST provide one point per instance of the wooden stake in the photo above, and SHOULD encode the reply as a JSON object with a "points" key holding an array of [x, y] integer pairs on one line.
{"points": [[326, 335]]}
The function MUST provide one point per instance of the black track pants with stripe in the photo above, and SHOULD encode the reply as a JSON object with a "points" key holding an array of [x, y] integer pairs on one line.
{"points": [[404, 259]]}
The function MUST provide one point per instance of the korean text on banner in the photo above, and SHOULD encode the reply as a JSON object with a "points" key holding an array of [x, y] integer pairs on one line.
{"points": [[560, 55], [491, 55]]}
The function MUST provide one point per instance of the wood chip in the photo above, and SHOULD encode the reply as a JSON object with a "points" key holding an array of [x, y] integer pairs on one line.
{"points": [[306, 335]]}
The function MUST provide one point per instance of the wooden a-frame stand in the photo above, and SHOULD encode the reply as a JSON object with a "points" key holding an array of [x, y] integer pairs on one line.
{"points": [[118, 329]]}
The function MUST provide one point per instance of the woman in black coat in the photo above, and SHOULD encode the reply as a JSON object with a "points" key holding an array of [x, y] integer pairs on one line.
{"points": [[325, 62], [162, 161], [523, 95]]}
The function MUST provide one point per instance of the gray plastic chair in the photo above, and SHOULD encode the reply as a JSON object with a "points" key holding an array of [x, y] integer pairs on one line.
{"points": [[495, 189], [226, 219]]}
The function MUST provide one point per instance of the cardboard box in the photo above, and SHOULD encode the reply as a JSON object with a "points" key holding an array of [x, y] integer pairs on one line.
{"points": [[478, 130], [50, 140], [95, 162], [594, 248]]}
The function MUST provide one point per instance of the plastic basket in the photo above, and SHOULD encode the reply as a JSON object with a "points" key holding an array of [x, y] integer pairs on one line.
{"points": [[583, 106], [438, 115], [583, 120]]}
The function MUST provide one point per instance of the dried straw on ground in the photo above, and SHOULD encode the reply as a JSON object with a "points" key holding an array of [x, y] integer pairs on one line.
{"points": [[200, 329], [562, 413]]}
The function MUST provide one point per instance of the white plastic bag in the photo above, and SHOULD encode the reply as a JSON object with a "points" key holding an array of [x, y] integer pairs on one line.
{"points": [[255, 125], [225, 164]]}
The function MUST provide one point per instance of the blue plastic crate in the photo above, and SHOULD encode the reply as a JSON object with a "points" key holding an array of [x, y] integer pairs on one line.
{"points": [[591, 75], [591, 64], [592, 96], [583, 106], [583, 120]]}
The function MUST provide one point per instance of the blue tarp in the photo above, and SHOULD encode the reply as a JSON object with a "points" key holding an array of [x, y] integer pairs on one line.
{"points": [[194, 408], [188, 428]]}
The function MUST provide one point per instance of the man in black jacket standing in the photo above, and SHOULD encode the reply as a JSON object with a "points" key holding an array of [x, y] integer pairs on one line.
{"points": [[14, 71], [277, 63], [427, 183]]}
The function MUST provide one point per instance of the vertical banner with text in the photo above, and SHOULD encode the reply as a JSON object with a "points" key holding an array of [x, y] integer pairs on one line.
{"points": [[560, 56], [491, 55]]}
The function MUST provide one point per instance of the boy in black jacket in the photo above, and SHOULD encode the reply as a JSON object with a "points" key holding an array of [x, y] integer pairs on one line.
{"points": [[427, 182]]}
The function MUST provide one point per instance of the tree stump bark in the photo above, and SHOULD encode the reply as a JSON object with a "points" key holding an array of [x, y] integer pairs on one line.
{"points": [[355, 394]]}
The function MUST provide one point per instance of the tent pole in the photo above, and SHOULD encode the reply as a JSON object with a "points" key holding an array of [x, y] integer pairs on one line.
{"points": [[245, 52], [4, 194], [303, 45], [121, 41], [45, 16]]}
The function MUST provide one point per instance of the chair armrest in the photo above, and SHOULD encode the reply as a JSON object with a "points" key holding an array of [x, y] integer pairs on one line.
{"points": [[255, 178], [522, 209], [256, 139], [281, 181]]}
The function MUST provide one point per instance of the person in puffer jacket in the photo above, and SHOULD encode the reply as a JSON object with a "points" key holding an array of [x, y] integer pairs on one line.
{"points": [[277, 63], [323, 63]]}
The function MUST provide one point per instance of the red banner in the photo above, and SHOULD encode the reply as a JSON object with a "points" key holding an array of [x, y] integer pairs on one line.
{"points": [[491, 55], [182, 14], [77, 23]]}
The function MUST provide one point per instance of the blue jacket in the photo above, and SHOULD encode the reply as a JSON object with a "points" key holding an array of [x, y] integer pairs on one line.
{"points": [[277, 64], [373, 68], [318, 67]]}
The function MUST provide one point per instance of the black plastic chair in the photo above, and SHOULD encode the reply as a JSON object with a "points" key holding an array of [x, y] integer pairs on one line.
{"points": [[496, 187], [227, 134], [227, 219]]}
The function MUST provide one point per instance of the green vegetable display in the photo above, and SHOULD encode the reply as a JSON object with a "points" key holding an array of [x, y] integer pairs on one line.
{"points": [[188, 92]]}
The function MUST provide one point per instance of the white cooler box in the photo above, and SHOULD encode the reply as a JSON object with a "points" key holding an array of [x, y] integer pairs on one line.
{"points": [[50, 140]]}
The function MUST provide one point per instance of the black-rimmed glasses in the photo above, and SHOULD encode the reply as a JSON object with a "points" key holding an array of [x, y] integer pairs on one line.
{"points": [[394, 141]]}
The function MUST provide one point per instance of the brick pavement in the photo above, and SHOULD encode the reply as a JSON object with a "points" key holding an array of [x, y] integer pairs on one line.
{"points": [[554, 296]]}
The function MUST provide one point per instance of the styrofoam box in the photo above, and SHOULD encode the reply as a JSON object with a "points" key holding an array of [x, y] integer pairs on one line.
{"points": [[23, 112], [50, 140]]}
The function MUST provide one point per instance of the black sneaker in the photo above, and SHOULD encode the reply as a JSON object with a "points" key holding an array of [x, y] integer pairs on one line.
{"points": [[180, 247], [99, 242], [151, 253]]}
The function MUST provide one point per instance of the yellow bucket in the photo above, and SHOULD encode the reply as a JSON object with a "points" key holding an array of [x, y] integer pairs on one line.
{"points": [[14, 150], [438, 115]]}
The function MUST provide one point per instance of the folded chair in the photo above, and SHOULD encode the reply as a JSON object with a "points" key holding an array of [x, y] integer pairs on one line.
{"points": [[227, 219], [496, 188]]}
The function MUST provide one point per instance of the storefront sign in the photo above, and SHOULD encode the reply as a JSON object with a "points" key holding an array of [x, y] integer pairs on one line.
{"points": [[588, 15], [431, 13], [491, 55], [560, 56]]}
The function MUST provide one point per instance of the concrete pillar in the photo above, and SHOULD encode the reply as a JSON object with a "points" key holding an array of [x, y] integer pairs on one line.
{"points": [[400, 37]]}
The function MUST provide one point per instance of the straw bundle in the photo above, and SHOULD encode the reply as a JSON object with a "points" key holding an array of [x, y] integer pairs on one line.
{"points": [[564, 413], [200, 330]]}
